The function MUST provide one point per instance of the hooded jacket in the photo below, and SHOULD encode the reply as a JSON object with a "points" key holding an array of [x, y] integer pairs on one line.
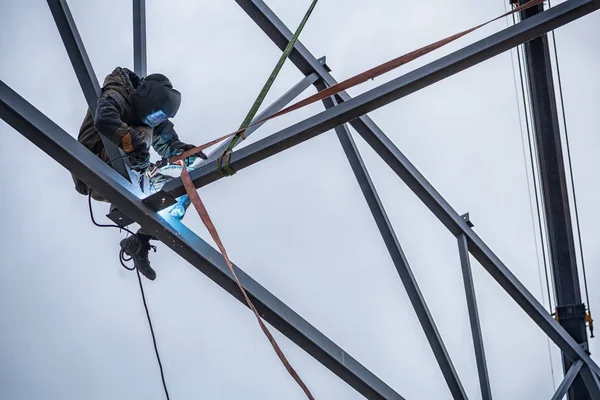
{"points": [[115, 119]]}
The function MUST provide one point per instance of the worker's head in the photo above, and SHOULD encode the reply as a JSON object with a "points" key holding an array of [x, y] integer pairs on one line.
{"points": [[155, 100]]}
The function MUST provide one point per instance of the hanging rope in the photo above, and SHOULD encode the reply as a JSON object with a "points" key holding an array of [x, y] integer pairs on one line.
{"points": [[201, 209]]}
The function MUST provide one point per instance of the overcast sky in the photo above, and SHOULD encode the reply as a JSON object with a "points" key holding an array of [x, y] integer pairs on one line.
{"points": [[72, 325]]}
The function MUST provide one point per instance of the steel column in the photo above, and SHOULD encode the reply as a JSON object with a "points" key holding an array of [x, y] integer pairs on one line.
{"points": [[570, 376], [555, 194], [484, 379], [49, 137], [397, 254], [85, 75], [139, 38]]}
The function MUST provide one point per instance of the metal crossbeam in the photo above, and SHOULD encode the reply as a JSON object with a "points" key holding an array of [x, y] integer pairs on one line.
{"points": [[86, 76], [398, 257], [49, 137]]}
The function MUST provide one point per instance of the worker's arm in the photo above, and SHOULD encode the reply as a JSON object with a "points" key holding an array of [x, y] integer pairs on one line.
{"points": [[110, 109], [165, 140], [167, 144]]}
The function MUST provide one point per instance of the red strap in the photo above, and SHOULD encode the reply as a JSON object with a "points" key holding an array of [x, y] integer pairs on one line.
{"points": [[197, 202]]}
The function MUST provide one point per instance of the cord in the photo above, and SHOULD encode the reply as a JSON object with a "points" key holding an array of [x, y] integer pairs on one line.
{"points": [[123, 259]]}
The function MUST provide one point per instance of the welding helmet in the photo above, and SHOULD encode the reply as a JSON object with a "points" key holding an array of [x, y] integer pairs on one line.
{"points": [[155, 100]]}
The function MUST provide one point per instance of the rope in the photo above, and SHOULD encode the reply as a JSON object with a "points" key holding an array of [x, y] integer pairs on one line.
{"points": [[203, 213], [360, 78], [226, 167], [122, 258]]}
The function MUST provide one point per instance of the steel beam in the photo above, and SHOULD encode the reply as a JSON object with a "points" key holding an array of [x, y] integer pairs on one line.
{"points": [[484, 379], [570, 376], [139, 38], [49, 137], [85, 75], [555, 194], [397, 88], [397, 254]]}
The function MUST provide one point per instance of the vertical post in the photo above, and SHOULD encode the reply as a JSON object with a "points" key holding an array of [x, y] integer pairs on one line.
{"points": [[569, 308], [484, 379], [85, 74], [139, 38]]}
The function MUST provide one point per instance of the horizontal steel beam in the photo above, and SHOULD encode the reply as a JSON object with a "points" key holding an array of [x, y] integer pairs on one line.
{"points": [[49, 137]]}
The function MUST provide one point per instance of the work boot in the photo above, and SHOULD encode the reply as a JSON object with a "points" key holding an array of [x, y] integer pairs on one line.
{"points": [[137, 247]]}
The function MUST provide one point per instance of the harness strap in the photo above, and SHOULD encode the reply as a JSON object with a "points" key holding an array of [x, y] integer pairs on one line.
{"points": [[201, 209]]}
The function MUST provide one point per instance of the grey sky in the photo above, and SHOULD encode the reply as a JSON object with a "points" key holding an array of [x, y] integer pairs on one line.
{"points": [[71, 320]]}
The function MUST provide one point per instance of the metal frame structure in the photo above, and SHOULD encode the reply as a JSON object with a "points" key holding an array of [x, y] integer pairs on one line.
{"points": [[114, 185]]}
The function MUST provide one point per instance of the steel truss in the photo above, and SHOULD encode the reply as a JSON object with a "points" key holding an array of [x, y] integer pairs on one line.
{"points": [[113, 184]]}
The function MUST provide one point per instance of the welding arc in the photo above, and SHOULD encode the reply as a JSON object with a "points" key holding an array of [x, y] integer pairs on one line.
{"points": [[358, 79]]}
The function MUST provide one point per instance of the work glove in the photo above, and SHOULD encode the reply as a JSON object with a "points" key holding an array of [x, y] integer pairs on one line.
{"points": [[187, 147], [139, 157]]}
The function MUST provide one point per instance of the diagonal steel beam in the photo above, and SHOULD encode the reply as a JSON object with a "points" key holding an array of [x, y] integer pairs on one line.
{"points": [[397, 254], [57, 143], [86, 76], [139, 38], [570, 376], [351, 109]]}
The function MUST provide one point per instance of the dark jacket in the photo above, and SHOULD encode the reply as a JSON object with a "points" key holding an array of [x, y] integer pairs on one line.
{"points": [[114, 119]]}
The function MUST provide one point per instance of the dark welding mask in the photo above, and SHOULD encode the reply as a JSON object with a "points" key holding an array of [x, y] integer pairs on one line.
{"points": [[155, 100]]}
